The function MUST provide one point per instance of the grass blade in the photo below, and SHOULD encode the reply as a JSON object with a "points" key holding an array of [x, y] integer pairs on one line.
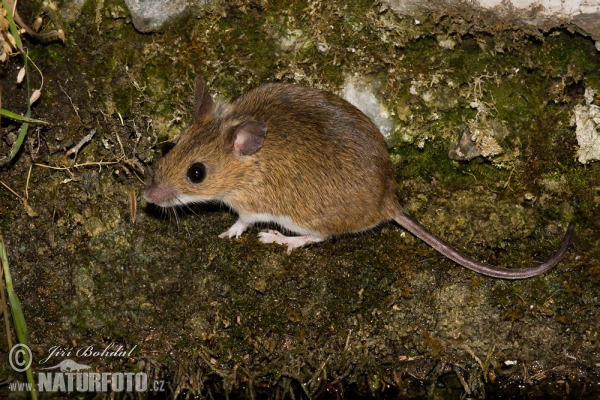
{"points": [[21, 137], [25, 125], [11, 23], [18, 117], [17, 313]]}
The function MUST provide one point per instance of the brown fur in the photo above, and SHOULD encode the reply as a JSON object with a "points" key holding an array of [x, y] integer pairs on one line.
{"points": [[323, 163]]}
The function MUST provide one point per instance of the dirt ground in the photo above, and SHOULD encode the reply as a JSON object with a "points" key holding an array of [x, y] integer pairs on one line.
{"points": [[376, 315]]}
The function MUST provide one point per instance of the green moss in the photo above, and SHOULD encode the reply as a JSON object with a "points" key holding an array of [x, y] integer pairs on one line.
{"points": [[52, 53], [432, 161]]}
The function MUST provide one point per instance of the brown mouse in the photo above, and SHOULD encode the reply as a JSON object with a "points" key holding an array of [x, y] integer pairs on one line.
{"points": [[299, 157]]}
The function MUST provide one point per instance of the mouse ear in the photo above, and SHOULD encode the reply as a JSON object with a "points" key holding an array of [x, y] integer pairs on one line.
{"points": [[203, 103], [247, 138]]}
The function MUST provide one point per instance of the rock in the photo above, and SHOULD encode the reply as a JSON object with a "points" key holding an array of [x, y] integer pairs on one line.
{"points": [[153, 15], [445, 42], [466, 148], [477, 140], [363, 95], [586, 119], [71, 9], [539, 15]]}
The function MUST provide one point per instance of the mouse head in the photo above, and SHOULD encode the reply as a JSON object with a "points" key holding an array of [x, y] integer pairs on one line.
{"points": [[211, 158]]}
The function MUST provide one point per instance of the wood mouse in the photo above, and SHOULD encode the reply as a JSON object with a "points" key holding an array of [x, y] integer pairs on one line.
{"points": [[299, 157]]}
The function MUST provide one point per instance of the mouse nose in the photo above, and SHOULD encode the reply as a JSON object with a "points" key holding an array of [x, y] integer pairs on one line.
{"points": [[160, 194]]}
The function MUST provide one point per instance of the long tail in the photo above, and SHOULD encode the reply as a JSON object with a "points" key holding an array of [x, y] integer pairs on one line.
{"points": [[422, 233]]}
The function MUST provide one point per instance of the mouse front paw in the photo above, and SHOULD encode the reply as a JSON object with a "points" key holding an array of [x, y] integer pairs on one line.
{"points": [[236, 230]]}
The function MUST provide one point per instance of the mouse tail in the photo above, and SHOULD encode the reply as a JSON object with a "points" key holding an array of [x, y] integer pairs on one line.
{"points": [[489, 270]]}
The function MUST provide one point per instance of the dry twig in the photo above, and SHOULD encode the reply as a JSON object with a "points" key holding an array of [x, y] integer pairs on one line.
{"points": [[75, 149]]}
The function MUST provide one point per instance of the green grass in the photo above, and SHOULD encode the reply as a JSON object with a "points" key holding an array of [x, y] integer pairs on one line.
{"points": [[18, 317]]}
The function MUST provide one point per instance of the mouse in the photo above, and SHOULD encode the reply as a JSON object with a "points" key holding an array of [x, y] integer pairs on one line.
{"points": [[301, 158]]}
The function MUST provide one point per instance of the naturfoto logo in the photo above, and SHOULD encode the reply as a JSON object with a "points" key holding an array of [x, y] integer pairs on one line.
{"points": [[69, 377]]}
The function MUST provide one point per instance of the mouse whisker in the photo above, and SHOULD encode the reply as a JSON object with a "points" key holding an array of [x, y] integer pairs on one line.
{"points": [[188, 206], [176, 214], [169, 213]]}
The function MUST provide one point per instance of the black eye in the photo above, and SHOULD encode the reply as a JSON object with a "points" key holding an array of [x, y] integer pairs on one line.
{"points": [[196, 173], [166, 148]]}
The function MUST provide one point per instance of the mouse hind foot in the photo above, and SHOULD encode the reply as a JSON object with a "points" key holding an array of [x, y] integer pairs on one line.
{"points": [[291, 242]]}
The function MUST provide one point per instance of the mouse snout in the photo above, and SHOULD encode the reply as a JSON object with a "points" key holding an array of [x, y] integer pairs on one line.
{"points": [[161, 194]]}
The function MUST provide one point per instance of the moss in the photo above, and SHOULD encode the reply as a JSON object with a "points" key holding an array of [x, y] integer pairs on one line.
{"points": [[432, 161], [349, 307], [52, 53]]}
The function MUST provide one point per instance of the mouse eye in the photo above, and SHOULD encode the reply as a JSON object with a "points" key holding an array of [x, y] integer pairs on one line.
{"points": [[166, 148], [196, 173]]}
